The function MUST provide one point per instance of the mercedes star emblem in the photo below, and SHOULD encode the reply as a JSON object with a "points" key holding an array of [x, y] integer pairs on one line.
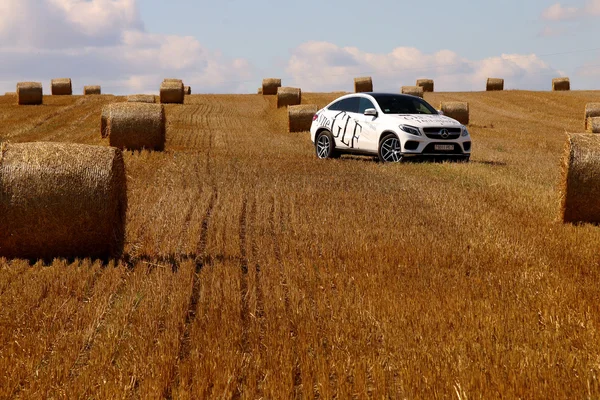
{"points": [[444, 133]]}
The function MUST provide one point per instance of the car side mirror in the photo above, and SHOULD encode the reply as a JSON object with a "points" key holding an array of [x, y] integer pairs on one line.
{"points": [[440, 112], [371, 111]]}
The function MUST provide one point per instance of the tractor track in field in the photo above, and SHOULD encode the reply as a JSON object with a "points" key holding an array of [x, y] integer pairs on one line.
{"points": [[244, 304], [187, 221], [323, 340], [260, 300], [40, 368], [199, 261], [293, 331]]}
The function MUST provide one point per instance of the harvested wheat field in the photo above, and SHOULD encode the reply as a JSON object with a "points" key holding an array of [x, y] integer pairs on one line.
{"points": [[254, 270]]}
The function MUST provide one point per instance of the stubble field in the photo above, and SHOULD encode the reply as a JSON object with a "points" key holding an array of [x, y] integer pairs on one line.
{"points": [[254, 270]]}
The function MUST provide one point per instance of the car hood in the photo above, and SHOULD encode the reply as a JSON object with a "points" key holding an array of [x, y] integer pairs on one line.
{"points": [[422, 120]]}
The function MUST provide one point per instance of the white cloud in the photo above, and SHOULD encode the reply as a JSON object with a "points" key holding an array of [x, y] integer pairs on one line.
{"points": [[322, 66], [104, 41], [557, 12]]}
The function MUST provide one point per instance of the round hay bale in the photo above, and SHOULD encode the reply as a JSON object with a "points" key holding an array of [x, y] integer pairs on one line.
{"points": [[11, 94], [591, 110], [88, 90], [171, 92], [413, 90], [104, 121], [300, 117], [456, 109], [561, 84], [363, 84], [270, 86], [61, 87], [287, 96], [136, 126], [61, 200], [141, 98], [29, 93], [426, 84], [580, 181], [259, 91], [593, 125], [494, 84], [187, 90]]}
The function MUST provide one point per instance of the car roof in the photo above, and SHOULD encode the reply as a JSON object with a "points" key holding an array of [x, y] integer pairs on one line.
{"points": [[376, 94], [384, 94], [370, 94]]}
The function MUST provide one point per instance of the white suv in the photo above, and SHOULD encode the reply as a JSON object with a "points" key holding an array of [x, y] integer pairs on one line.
{"points": [[390, 126]]}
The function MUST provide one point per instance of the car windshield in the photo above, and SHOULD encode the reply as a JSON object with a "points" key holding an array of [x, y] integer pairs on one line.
{"points": [[401, 104]]}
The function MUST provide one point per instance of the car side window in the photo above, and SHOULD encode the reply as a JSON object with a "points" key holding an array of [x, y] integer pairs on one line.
{"points": [[350, 104], [363, 104], [335, 106]]}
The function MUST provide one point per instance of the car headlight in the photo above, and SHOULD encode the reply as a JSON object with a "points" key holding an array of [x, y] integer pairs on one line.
{"points": [[465, 132], [411, 129]]}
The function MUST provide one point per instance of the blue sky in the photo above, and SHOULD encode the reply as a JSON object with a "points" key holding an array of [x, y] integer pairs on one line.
{"points": [[128, 46], [266, 32]]}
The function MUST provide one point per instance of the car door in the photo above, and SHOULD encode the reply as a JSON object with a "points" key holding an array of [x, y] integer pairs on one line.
{"points": [[344, 125], [366, 124]]}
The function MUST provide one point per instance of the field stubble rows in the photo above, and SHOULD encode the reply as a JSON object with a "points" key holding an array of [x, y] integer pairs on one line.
{"points": [[252, 269]]}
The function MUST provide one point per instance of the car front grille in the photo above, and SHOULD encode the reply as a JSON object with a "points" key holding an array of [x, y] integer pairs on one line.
{"points": [[436, 133]]}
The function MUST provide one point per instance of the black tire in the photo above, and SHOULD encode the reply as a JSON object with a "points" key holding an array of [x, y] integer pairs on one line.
{"points": [[389, 149], [325, 146]]}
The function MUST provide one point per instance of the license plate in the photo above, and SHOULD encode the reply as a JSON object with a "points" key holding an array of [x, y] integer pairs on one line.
{"points": [[444, 147]]}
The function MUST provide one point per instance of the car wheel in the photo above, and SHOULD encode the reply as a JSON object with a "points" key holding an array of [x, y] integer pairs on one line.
{"points": [[325, 145], [390, 149]]}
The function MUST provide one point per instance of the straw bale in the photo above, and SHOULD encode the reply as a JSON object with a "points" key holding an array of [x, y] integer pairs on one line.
{"points": [[457, 110], [61, 200], [104, 121], [413, 90], [593, 125], [560, 84], [426, 84], [29, 93], [287, 96], [580, 181], [10, 94], [171, 92], [187, 90], [61, 87], [270, 86], [494, 84], [300, 117], [363, 84], [259, 91], [136, 126], [591, 110], [141, 98], [87, 90]]}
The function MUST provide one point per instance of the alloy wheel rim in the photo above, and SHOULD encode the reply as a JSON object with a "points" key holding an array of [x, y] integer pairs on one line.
{"points": [[323, 146], [390, 150]]}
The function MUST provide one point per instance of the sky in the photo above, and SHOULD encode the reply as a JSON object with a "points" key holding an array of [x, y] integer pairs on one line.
{"points": [[229, 46]]}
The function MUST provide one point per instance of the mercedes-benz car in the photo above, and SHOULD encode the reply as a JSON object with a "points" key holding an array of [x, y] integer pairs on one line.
{"points": [[390, 126]]}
